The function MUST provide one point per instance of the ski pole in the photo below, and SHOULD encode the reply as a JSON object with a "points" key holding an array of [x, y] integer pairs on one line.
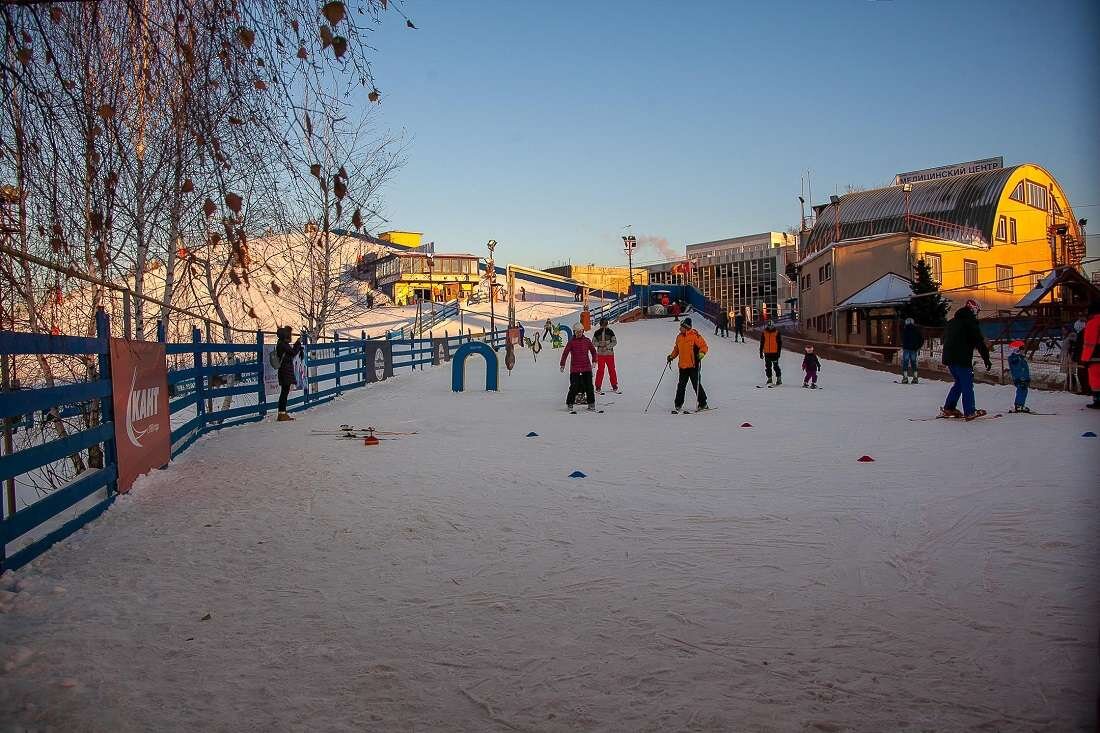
{"points": [[667, 364]]}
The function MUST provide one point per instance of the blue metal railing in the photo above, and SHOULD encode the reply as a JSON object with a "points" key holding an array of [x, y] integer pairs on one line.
{"points": [[213, 372]]}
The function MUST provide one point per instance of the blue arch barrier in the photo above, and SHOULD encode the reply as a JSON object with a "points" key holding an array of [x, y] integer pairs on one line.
{"points": [[567, 329], [458, 365]]}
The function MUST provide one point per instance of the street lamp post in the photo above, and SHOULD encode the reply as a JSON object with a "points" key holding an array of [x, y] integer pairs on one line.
{"points": [[431, 283], [630, 243], [492, 293]]}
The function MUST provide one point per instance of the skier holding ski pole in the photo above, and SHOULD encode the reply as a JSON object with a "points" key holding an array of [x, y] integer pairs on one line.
{"points": [[690, 347]]}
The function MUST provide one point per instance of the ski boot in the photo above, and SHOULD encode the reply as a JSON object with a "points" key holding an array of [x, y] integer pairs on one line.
{"points": [[915, 379], [283, 417], [1021, 408], [769, 380], [975, 415], [778, 381], [813, 386], [949, 412], [591, 406], [904, 379], [805, 385]]}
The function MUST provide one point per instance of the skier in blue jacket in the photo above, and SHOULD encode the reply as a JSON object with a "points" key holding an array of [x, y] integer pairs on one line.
{"points": [[1021, 375]]}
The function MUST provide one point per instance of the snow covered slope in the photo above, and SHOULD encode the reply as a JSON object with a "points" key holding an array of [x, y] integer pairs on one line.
{"points": [[703, 576]]}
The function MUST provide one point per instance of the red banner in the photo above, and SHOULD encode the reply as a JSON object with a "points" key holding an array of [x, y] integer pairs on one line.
{"points": [[139, 386]]}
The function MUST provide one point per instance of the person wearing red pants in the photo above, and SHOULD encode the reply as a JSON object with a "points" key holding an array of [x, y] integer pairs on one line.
{"points": [[1090, 353], [605, 356]]}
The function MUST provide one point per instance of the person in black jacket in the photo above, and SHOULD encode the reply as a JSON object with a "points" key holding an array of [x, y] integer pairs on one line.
{"points": [[739, 327], [911, 341], [722, 324], [960, 338], [286, 352]]}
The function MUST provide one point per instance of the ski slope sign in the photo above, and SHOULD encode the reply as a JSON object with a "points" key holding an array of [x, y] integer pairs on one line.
{"points": [[139, 387]]}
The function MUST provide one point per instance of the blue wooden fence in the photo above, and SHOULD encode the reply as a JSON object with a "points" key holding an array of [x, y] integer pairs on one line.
{"points": [[213, 372]]}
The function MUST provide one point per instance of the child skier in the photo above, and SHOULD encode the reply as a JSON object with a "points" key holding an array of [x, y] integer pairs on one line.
{"points": [[771, 345], [580, 368], [1021, 375], [605, 356], [811, 365]]}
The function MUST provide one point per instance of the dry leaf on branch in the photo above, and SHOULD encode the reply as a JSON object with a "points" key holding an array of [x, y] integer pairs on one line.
{"points": [[188, 186], [235, 121], [234, 202], [326, 37], [339, 46], [260, 85], [246, 36], [315, 170], [357, 219], [374, 95], [106, 111], [208, 208], [334, 12], [343, 173], [24, 55], [252, 313], [302, 53], [56, 14], [339, 187], [275, 287]]}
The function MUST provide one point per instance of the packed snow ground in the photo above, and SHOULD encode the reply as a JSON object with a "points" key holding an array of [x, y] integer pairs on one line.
{"points": [[702, 577]]}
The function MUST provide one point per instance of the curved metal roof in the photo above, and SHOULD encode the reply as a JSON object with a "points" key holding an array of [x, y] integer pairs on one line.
{"points": [[942, 207]]}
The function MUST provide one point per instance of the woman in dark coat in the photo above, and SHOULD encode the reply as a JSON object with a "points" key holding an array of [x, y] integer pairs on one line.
{"points": [[286, 352]]}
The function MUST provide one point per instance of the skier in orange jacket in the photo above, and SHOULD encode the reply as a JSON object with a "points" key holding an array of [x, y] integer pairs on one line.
{"points": [[690, 347]]}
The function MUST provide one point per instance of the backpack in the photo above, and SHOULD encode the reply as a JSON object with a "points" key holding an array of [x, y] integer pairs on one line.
{"points": [[274, 359]]}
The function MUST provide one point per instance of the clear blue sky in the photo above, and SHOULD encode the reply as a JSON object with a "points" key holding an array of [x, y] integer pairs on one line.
{"points": [[549, 126]]}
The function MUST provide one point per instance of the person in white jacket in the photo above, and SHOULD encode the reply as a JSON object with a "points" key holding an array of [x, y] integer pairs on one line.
{"points": [[605, 356]]}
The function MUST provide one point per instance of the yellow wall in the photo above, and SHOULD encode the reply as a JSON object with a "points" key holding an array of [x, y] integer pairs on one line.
{"points": [[607, 277], [403, 239], [1032, 252]]}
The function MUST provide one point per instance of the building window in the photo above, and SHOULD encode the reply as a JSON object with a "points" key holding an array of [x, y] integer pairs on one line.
{"points": [[935, 267], [1036, 195], [828, 270], [853, 323], [1002, 229], [1004, 279], [970, 273], [1012, 231], [1018, 192], [1036, 276], [821, 274]]}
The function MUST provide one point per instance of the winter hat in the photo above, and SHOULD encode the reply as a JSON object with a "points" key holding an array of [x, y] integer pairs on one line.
{"points": [[908, 321], [603, 321], [809, 349], [973, 305], [578, 327], [686, 323], [1017, 344]]}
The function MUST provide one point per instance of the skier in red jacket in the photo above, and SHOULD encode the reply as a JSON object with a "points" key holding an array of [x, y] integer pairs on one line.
{"points": [[582, 350]]}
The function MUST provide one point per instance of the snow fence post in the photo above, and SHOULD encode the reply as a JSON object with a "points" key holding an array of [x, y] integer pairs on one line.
{"points": [[305, 370], [200, 406], [363, 356], [261, 386], [336, 355], [106, 405]]}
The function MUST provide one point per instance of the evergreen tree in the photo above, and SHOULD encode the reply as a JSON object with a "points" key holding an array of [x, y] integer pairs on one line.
{"points": [[927, 310]]}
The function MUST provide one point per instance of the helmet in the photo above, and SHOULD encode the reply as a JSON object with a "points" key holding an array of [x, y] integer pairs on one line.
{"points": [[686, 323], [1017, 344]]}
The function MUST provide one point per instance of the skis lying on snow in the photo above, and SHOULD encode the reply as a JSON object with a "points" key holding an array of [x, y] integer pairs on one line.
{"points": [[353, 429], [769, 386], [1030, 412], [963, 419], [693, 412], [571, 411]]}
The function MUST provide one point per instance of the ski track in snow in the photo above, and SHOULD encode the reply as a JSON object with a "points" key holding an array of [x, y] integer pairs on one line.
{"points": [[703, 577]]}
